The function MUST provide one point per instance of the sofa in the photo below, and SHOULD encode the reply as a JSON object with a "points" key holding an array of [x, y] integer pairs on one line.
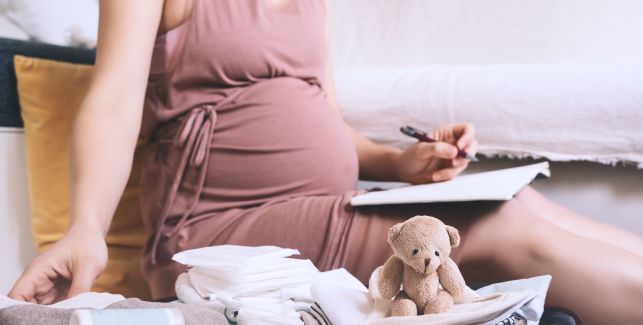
{"points": [[554, 80]]}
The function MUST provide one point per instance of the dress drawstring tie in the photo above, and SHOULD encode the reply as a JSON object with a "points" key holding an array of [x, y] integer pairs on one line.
{"points": [[194, 138]]}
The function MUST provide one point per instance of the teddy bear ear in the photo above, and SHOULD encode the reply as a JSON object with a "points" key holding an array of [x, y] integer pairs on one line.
{"points": [[454, 236], [394, 232]]}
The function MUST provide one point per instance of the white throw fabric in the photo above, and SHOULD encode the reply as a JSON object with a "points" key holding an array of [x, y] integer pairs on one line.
{"points": [[560, 112]]}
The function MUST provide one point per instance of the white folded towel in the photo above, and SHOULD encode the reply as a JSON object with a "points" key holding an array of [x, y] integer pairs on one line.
{"points": [[233, 260], [254, 284], [209, 285], [231, 271]]}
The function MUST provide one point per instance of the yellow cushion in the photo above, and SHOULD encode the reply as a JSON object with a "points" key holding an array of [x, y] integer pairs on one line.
{"points": [[50, 94]]}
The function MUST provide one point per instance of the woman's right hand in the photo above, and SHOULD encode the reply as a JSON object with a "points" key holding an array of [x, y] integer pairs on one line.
{"points": [[67, 269], [425, 162]]}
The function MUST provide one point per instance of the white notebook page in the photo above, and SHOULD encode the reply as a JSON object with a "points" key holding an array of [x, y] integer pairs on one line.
{"points": [[497, 185]]}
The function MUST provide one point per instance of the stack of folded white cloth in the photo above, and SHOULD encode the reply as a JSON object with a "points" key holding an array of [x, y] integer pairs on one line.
{"points": [[254, 283]]}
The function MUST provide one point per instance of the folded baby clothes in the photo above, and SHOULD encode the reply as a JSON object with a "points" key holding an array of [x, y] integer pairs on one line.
{"points": [[319, 315], [186, 293], [20, 313], [192, 314], [309, 319], [254, 284], [27, 314], [532, 311], [512, 302], [321, 319]]}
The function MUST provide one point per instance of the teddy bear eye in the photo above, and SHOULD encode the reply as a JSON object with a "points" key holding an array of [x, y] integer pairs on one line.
{"points": [[416, 251], [437, 253]]}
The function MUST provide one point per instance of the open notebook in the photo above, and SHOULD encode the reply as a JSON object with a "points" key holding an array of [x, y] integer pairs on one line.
{"points": [[497, 185]]}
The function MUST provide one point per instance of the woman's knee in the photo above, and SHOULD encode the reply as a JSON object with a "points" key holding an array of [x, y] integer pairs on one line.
{"points": [[509, 238], [525, 230]]}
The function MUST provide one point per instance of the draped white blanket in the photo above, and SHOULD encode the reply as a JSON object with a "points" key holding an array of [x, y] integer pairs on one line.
{"points": [[560, 112]]}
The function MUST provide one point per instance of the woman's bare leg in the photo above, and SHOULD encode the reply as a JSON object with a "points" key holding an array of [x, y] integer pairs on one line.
{"points": [[602, 283], [580, 225]]}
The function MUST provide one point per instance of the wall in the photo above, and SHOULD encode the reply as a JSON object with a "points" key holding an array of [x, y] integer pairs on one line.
{"points": [[412, 32], [16, 245]]}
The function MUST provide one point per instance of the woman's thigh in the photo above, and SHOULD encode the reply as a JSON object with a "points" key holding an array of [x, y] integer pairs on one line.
{"points": [[580, 225], [325, 229], [595, 279], [367, 246]]}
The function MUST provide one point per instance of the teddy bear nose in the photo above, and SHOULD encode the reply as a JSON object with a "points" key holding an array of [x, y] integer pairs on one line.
{"points": [[427, 261]]}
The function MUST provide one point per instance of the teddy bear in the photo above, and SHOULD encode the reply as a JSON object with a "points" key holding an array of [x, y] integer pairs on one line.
{"points": [[431, 281]]}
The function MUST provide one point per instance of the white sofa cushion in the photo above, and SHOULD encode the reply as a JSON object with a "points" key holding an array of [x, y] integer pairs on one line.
{"points": [[561, 112], [17, 248]]}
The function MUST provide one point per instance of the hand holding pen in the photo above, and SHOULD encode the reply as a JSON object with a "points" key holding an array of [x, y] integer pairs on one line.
{"points": [[438, 157], [422, 136]]}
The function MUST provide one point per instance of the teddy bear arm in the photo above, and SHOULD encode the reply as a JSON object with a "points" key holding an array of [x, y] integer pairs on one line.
{"points": [[391, 277], [452, 281]]}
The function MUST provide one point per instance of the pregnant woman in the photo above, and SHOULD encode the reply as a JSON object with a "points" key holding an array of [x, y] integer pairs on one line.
{"points": [[246, 145]]}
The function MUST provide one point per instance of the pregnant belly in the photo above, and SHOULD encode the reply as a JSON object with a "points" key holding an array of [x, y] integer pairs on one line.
{"points": [[280, 138]]}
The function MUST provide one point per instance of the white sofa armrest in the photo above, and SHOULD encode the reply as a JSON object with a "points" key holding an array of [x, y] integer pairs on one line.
{"points": [[17, 248]]}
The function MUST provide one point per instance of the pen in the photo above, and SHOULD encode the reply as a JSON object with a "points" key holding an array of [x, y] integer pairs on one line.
{"points": [[422, 136]]}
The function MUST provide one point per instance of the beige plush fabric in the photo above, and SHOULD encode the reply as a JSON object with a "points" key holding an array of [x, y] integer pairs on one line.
{"points": [[193, 314], [34, 314], [489, 309], [431, 282], [27, 314]]}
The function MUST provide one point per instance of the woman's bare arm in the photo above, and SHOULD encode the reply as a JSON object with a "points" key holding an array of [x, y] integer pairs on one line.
{"points": [[376, 161], [102, 147], [419, 163], [107, 127]]}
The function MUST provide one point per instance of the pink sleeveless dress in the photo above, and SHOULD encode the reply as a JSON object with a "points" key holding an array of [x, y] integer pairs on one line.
{"points": [[244, 147]]}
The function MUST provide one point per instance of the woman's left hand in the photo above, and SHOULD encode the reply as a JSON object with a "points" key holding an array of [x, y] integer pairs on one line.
{"points": [[426, 162]]}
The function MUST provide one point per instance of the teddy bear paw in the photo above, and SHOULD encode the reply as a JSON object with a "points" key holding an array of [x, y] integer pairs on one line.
{"points": [[404, 307], [467, 296]]}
